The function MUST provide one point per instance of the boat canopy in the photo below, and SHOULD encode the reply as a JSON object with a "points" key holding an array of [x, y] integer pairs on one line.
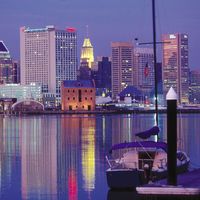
{"points": [[143, 144], [148, 133]]}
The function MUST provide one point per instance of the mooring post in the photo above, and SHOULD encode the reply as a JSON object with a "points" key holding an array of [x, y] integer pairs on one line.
{"points": [[171, 136]]}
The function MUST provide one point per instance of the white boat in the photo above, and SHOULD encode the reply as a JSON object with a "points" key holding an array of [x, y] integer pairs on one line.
{"points": [[141, 162]]}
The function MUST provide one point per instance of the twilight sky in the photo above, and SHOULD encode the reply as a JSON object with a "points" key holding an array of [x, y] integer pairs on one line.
{"points": [[108, 20]]}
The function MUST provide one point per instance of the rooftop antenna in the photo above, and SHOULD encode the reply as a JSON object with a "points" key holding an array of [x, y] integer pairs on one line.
{"points": [[87, 31]]}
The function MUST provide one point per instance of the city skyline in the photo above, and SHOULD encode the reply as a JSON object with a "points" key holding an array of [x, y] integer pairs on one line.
{"points": [[105, 23]]}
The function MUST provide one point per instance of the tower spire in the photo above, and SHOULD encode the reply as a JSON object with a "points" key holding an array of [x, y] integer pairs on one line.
{"points": [[87, 53]]}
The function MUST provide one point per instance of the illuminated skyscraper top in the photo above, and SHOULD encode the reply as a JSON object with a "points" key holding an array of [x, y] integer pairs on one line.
{"points": [[87, 52]]}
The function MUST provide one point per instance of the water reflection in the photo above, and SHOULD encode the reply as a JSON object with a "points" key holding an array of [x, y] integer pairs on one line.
{"points": [[68, 156], [38, 158], [88, 153], [9, 158], [76, 150], [63, 157]]}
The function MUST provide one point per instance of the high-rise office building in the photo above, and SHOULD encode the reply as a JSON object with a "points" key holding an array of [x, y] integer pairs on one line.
{"points": [[175, 65], [87, 53], [7, 65], [143, 69], [104, 73], [194, 96], [122, 66], [16, 72], [84, 72], [48, 56], [159, 78], [102, 76]]}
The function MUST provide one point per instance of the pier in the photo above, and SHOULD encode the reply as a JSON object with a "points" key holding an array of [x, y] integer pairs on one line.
{"points": [[185, 184], [188, 184]]}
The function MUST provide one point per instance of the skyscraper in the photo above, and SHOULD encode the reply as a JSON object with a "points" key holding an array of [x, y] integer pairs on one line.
{"points": [[48, 56], [143, 69], [102, 76], [175, 65], [122, 66], [87, 53], [104, 73], [16, 72], [194, 96], [7, 65]]}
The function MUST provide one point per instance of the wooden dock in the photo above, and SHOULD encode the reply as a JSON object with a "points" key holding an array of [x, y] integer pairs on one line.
{"points": [[188, 184]]}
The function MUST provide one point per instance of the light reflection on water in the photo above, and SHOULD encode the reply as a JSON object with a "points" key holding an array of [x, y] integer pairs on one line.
{"points": [[63, 156]]}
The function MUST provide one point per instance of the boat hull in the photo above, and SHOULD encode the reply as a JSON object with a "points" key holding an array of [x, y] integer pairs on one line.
{"points": [[123, 178]]}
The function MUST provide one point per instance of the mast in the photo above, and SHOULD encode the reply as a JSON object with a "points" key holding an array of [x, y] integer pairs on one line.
{"points": [[155, 60]]}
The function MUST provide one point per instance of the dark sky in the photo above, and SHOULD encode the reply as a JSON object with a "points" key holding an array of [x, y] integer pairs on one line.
{"points": [[108, 20]]}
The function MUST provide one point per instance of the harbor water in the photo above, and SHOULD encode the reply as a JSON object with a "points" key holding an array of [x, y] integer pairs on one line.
{"points": [[62, 157]]}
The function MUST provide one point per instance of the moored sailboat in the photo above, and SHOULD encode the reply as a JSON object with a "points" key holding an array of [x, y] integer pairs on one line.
{"points": [[140, 162]]}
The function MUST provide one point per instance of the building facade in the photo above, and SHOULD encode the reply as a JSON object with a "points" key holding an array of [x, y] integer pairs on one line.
{"points": [[7, 66], [122, 66], [175, 71], [16, 72], [48, 56], [102, 76], [84, 72], [194, 96], [143, 71], [21, 92], [78, 95], [49, 101]]}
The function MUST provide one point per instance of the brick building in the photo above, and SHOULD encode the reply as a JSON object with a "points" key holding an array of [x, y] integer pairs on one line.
{"points": [[78, 95]]}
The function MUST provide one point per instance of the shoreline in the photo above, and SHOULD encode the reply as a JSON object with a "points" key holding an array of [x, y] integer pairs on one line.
{"points": [[58, 112]]}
